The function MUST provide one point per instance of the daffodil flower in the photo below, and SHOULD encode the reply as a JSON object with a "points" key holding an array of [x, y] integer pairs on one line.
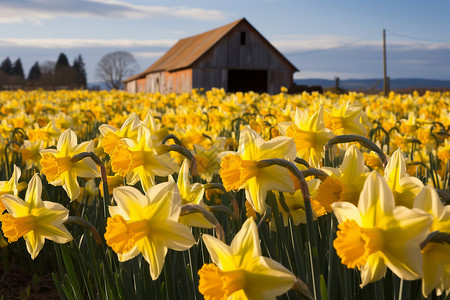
{"points": [[436, 258], [147, 224], [309, 134], [376, 234], [345, 120], [59, 169], [208, 162], [296, 204], [345, 183], [113, 136], [239, 271], [30, 152], [140, 161], [240, 171], [404, 187], [12, 186], [191, 193], [33, 219]]}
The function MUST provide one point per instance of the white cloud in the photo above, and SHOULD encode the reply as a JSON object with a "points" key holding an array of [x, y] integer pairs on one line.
{"points": [[308, 74], [306, 43], [38, 10], [148, 54], [83, 43]]}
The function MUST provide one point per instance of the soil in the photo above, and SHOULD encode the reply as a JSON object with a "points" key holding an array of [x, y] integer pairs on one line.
{"points": [[17, 283]]}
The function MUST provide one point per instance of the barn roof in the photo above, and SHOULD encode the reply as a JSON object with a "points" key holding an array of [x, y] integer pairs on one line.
{"points": [[188, 50]]}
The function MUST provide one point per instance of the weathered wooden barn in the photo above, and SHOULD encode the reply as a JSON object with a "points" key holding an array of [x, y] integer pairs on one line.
{"points": [[235, 57]]}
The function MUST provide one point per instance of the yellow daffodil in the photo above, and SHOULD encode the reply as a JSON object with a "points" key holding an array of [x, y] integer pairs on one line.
{"points": [[404, 187], [12, 186], [140, 161], [239, 271], [113, 136], [296, 204], [376, 234], [157, 131], [191, 193], [309, 134], [147, 224], [47, 134], [59, 169], [345, 120], [345, 183], [208, 162], [436, 258], [444, 151], [33, 219], [113, 182], [31, 155], [239, 169]]}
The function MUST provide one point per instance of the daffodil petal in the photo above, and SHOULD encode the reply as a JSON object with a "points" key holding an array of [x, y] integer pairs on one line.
{"points": [[34, 191], [376, 199], [346, 211], [176, 236], [154, 253], [245, 244], [220, 252], [130, 201], [374, 269]]}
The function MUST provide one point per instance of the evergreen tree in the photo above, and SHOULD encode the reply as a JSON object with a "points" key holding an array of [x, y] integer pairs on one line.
{"points": [[63, 71], [35, 72], [62, 61], [17, 69], [79, 67], [6, 66]]}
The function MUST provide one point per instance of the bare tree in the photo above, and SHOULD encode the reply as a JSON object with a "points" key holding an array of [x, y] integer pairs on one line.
{"points": [[115, 67]]}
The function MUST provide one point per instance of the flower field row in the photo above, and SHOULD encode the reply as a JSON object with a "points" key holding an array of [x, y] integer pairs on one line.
{"points": [[219, 195]]}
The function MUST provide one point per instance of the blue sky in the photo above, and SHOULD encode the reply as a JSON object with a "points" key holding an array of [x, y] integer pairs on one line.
{"points": [[323, 39]]}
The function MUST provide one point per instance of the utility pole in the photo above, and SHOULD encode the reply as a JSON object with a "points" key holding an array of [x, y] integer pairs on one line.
{"points": [[385, 78]]}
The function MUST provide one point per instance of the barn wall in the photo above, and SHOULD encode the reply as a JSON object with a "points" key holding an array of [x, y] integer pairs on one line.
{"points": [[130, 86], [230, 54], [181, 81], [208, 78], [211, 70], [140, 85]]}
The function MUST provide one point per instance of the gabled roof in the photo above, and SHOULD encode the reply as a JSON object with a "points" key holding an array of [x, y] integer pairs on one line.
{"points": [[188, 50]]}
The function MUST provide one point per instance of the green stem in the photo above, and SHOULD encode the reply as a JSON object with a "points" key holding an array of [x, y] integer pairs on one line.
{"points": [[312, 230]]}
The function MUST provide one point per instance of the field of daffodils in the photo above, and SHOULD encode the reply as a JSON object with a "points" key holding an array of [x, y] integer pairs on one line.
{"points": [[110, 195]]}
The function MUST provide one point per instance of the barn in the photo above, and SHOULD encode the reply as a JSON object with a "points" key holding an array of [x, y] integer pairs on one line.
{"points": [[235, 57]]}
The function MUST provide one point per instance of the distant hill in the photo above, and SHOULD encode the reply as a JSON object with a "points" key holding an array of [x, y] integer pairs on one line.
{"points": [[377, 84], [97, 86]]}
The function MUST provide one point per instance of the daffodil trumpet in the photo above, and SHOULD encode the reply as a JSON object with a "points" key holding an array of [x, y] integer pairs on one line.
{"points": [[86, 224], [312, 233], [162, 149], [195, 208], [360, 139]]}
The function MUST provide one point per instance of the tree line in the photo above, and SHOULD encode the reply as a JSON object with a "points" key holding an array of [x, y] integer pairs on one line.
{"points": [[49, 75]]}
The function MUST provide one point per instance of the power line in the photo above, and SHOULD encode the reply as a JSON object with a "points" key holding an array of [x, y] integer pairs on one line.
{"points": [[417, 38], [340, 46]]}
